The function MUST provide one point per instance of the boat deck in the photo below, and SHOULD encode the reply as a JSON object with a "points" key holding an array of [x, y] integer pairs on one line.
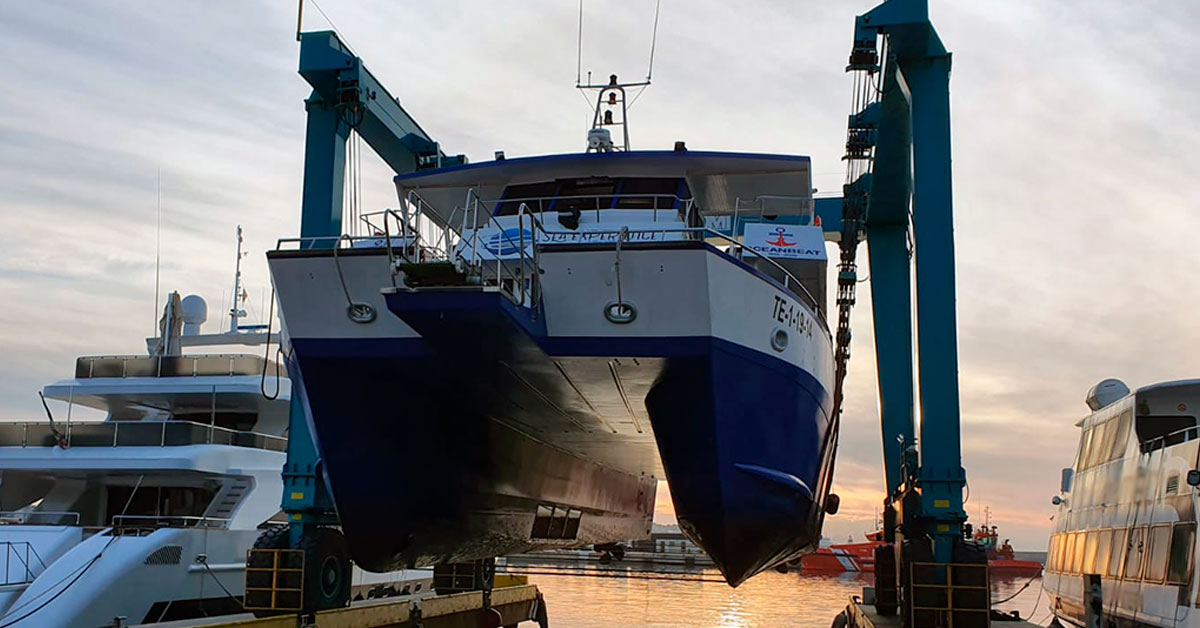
{"points": [[860, 615], [510, 606]]}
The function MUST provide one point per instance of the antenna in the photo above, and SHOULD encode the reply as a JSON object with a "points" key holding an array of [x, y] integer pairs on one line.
{"points": [[157, 241], [579, 52], [653, 41], [612, 94], [235, 310]]}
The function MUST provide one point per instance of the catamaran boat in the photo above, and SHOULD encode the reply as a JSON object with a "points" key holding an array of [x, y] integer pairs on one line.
{"points": [[541, 340], [148, 514], [1124, 539]]}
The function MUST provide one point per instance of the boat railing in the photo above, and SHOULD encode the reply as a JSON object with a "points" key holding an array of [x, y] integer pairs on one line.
{"points": [[22, 563], [675, 205], [122, 366], [31, 517], [168, 433], [1169, 439], [519, 277], [140, 525], [765, 205], [736, 250]]}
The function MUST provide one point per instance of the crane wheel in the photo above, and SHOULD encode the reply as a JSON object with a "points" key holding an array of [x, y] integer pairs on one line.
{"points": [[327, 571]]}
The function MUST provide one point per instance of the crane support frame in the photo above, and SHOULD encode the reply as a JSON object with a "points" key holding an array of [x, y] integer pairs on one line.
{"points": [[910, 194], [346, 99]]}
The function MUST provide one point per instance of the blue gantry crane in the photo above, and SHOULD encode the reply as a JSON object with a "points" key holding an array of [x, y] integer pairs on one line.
{"points": [[346, 99], [897, 198]]}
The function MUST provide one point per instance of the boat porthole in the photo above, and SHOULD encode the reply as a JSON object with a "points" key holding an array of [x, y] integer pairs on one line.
{"points": [[360, 312], [779, 339], [620, 313]]}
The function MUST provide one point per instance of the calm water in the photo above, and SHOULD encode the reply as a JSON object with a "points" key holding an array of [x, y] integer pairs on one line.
{"points": [[595, 598]]}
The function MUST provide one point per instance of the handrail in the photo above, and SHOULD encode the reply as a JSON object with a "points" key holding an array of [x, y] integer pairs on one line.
{"points": [[25, 515], [472, 207], [788, 276], [164, 521], [162, 427]]}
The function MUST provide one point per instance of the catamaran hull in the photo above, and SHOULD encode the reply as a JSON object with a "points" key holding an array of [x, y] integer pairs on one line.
{"points": [[453, 427]]}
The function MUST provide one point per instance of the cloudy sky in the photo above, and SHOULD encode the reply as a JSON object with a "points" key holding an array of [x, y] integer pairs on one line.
{"points": [[1075, 194]]}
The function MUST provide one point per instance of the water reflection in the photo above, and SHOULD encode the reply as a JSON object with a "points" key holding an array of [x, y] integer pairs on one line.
{"points": [[591, 597]]}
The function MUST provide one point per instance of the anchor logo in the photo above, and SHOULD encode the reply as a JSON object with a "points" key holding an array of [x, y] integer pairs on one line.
{"points": [[779, 240]]}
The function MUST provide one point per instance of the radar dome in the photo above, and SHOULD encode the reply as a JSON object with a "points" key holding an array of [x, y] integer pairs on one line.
{"points": [[195, 312], [1106, 393]]}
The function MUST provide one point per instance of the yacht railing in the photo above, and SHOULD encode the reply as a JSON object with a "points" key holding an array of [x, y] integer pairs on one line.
{"points": [[25, 554], [26, 517], [169, 433], [121, 366], [1169, 439], [138, 524]]}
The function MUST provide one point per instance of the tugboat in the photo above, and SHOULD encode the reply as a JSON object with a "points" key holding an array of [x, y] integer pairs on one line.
{"points": [[860, 557], [513, 358]]}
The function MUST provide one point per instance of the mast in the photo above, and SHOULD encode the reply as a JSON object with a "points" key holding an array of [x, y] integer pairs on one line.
{"points": [[235, 310]]}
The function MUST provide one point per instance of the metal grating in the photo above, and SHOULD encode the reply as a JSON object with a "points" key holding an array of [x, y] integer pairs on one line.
{"points": [[165, 555]]}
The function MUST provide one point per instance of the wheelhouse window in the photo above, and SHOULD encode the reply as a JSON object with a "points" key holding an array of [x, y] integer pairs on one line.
{"points": [[536, 197], [593, 194]]}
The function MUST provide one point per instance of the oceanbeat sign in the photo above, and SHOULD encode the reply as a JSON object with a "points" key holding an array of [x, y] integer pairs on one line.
{"points": [[785, 241], [493, 242]]}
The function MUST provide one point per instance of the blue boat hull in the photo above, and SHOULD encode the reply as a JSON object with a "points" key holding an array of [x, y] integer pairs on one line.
{"points": [[454, 445]]}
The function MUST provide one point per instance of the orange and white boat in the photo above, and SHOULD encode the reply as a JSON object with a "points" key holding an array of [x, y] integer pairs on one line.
{"points": [[850, 557]]}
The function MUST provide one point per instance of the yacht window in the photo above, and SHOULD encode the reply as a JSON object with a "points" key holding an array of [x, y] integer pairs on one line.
{"points": [[1089, 553], [1122, 438], [158, 501], [1084, 447], [1053, 557], [1133, 554], [536, 197], [1103, 550], [1117, 556], [1101, 444], [1157, 551], [1158, 431], [230, 420], [1069, 561], [1183, 539]]}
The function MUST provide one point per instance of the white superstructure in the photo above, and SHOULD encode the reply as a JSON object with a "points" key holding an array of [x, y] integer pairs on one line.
{"points": [[148, 514], [1125, 527]]}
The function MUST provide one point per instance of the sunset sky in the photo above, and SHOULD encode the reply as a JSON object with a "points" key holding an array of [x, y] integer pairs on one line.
{"points": [[1075, 194]]}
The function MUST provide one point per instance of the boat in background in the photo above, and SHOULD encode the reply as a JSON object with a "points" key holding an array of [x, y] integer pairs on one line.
{"points": [[1124, 538], [860, 557], [148, 514]]}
